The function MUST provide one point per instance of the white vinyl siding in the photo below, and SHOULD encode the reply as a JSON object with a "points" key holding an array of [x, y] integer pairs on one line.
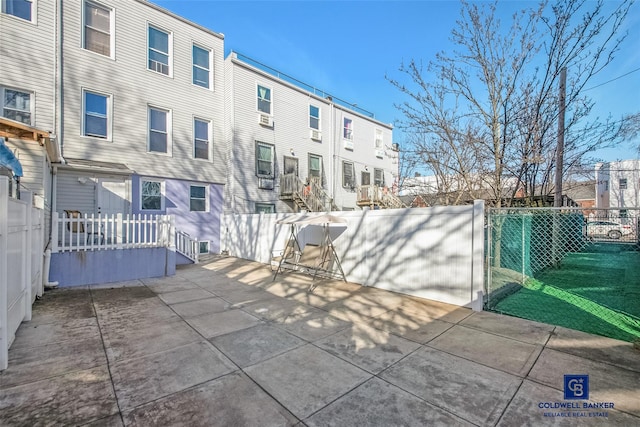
{"points": [[151, 195], [264, 99], [96, 108], [202, 60], [17, 105], [23, 9], [159, 50], [201, 138], [98, 28], [159, 130]]}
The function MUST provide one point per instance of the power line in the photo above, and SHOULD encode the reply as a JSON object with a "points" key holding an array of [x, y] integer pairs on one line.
{"points": [[613, 80]]}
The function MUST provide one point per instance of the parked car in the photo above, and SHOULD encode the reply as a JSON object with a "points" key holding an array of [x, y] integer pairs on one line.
{"points": [[608, 229]]}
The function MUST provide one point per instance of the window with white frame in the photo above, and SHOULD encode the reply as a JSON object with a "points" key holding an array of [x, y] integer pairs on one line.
{"points": [[347, 132], [378, 177], [315, 166], [264, 160], [159, 42], [151, 195], [159, 130], [203, 247], [97, 28], [16, 105], [19, 8], [264, 99], [314, 117], [348, 175], [201, 66], [379, 143], [198, 198], [201, 138], [623, 183], [265, 208], [95, 114]]}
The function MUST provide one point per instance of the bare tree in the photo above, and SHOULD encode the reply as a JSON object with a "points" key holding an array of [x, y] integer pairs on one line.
{"points": [[487, 112]]}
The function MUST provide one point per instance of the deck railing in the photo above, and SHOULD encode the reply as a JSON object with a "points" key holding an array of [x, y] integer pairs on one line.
{"points": [[312, 194], [187, 246], [375, 195], [101, 232]]}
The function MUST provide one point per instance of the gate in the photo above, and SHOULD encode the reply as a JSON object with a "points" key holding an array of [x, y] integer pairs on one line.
{"points": [[572, 267]]}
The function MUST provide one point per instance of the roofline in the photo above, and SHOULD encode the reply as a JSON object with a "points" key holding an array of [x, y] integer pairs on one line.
{"points": [[180, 18]]}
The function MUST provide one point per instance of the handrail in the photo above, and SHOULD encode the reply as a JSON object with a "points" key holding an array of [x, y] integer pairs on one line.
{"points": [[187, 246], [312, 195], [380, 196]]}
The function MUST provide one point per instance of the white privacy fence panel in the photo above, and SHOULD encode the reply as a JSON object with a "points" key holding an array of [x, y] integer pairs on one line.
{"points": [[435, 253], [21, 245], [100, 232]]}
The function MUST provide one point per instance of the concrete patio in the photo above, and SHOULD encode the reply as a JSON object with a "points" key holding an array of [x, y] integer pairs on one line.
{"points": [[222, 344]]}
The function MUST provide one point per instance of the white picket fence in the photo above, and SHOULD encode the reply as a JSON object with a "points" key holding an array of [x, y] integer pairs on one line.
{"points": [[101, 232], [21, 259]]}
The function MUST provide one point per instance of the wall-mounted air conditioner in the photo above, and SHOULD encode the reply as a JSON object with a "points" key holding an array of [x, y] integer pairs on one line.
{"points": [[265, 183], [348, 145], [316, 135], [265, 120], [380, 154]]}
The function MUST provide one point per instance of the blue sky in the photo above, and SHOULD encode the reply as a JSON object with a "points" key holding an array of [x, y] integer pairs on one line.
{"points": [[347, 47]]}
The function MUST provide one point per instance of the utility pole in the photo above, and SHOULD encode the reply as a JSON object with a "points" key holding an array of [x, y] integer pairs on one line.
{"points": [[557, 199]]}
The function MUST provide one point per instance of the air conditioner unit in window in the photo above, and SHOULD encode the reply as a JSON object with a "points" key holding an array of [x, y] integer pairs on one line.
{"points": [[316, 135], [265, 183], [395, 146], [348, 144], [265, 120], [380, 153]]}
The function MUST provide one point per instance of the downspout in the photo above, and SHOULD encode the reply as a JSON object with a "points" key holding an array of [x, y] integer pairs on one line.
{"points": [[333, 154]]}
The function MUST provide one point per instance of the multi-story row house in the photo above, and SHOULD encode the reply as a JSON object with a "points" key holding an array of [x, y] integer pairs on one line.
{"points": [[618, 185], [150, 118]]}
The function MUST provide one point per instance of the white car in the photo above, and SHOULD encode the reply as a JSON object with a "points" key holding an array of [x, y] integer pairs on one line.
{"points": [[608, 229]]}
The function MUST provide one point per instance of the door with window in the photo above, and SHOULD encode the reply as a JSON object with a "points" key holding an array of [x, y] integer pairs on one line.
{"points": [[365, 178], [290, 165], [111, 200]]}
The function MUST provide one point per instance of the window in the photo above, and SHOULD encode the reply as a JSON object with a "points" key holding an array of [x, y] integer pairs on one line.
{"points": [[378, 141], [365, 178], [315, 166], [158, 130], [623, 183], [314, 117], [16, 105], [198, 198], [264, 99], [290, 165], [201, 67], [159, 51], [265, 208], [264, 160], [348, 129], [95, 120], [378, 177], [97, 28], [203, 247], [606, 186], [19, 8], [348, 175], [201, 131], [151, 195]]}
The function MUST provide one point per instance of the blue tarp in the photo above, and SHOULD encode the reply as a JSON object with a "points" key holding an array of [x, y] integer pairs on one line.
{"points": [[9, 160]]}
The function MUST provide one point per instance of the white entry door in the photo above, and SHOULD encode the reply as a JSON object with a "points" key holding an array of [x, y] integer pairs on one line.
{"points": [[112, 197]]}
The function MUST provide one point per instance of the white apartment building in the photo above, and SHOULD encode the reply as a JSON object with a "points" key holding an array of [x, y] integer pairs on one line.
{"points": [[618, 185]]}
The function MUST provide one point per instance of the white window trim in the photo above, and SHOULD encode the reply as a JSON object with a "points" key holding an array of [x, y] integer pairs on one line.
{"points": [[34, 12], [256, 204], [169, 130], [273, 162], [353, 174], [309, 163], [32, 102], [112, 30], [344, 127], [319, 117], [381, 171], [170, 42], [209, 139], [206, 196], [162, 194], [198, 45], [200, 242], [258, 84], [109, 96], [377, 132]]}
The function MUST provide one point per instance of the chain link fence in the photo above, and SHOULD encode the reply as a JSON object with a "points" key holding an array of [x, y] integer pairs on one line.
{"points": [[573, 267]]}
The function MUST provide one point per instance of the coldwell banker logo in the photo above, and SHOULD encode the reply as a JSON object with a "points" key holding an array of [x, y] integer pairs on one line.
{"points": [[576, 387]]}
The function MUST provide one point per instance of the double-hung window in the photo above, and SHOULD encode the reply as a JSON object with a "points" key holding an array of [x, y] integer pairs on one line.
{"points": [[159, 130], [378, 177], [265, 208], [19, 8], [95, 114], [315, 166], [159, 50], [348, 175], [347, 129], [201, 66], [198, 198], [623, 183], [314, 117], [264, 160], [264, 99], [151, 195], [379, 143], [201, 138], [16, 105], [97, 28]]}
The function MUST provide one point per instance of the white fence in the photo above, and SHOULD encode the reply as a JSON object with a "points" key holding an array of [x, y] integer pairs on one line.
{"points": [[21, 258], [435, 253], [100, 232], [187, 246]]}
